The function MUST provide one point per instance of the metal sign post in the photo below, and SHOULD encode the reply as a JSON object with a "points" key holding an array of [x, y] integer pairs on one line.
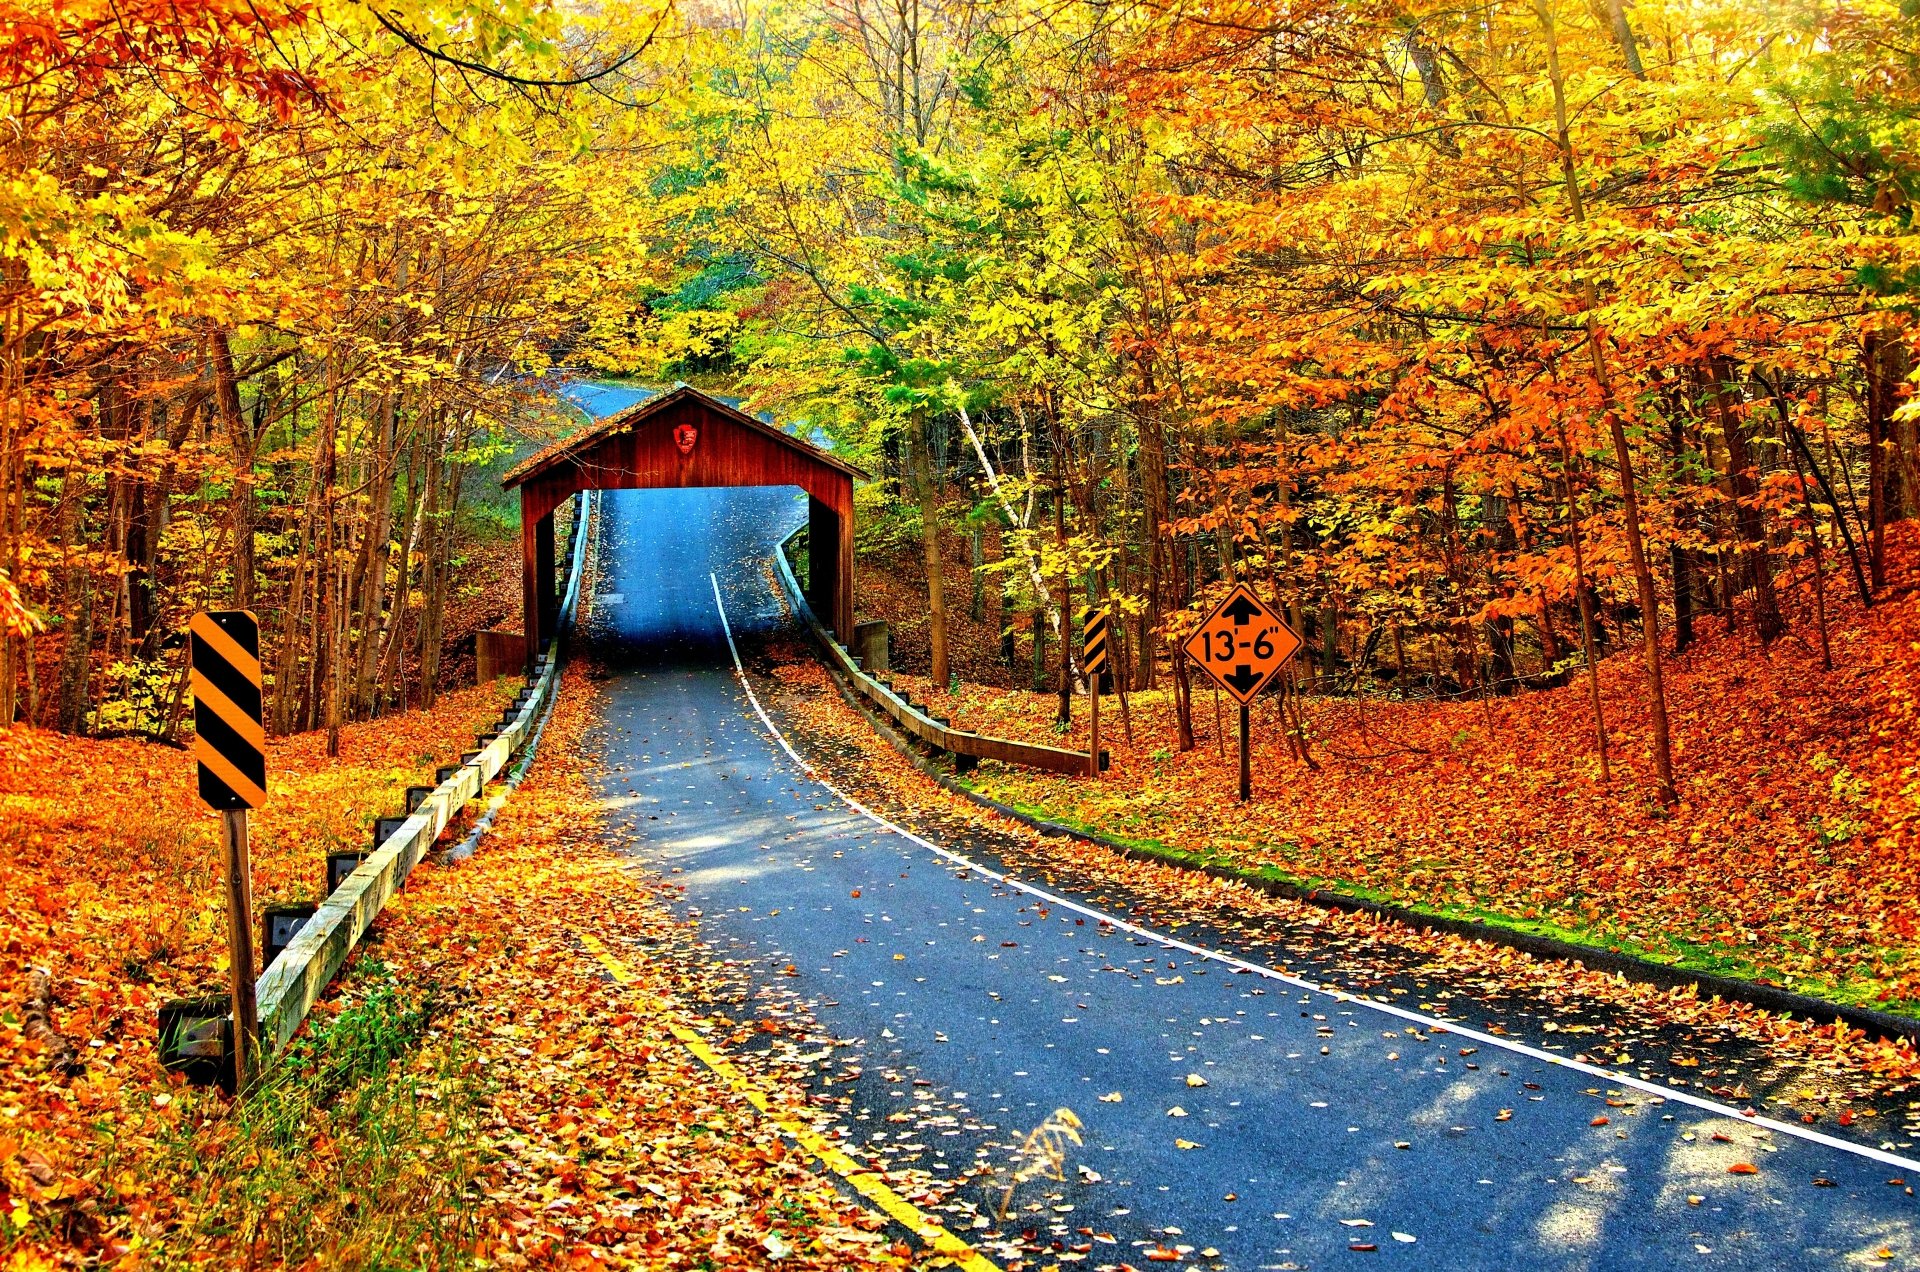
{"points": [[1243, 644], [1093, 660], [1246, 754], [230, 744]]}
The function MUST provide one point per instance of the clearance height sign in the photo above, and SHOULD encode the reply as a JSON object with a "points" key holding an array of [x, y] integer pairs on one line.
{"points": [[1243, 644]]}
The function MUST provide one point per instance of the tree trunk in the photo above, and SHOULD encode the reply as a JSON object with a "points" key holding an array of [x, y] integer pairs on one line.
{"points": [[1883, 495], [1677, 563], [925, 490], [377, 550], [77, 661], [329, 656], [1585, 594], [1014, 517], [1682, 571], [1182, 684], [1065, 713], [1747, 516], [443, 488], [1819, 561], [1329, 644], [1616, 11], [977, 603], [1039, 623], [1616, 428], [1009, 649], [1797, 442], [392, 634], [1151, 457], [240, 444]]}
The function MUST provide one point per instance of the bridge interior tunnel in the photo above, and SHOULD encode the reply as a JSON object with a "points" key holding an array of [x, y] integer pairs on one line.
{"points": [[689, 479], [662, 553]]}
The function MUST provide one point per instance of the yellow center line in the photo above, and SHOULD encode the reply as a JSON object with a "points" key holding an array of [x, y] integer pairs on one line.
{"points": [[863, 1181]]}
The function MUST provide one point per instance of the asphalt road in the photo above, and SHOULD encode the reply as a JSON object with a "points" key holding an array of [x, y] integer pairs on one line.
{"points": [[1237, 1121]]}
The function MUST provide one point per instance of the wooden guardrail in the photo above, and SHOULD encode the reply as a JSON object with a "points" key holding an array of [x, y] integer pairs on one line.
{"points": [[966, 747], [288, 989]]}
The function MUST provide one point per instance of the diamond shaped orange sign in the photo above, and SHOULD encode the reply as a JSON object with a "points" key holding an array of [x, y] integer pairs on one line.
{"points": [[1243, 644]]}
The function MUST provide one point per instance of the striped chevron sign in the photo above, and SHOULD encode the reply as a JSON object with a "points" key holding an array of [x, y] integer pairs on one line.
{"points": [[230, 740], [1093, 638]]}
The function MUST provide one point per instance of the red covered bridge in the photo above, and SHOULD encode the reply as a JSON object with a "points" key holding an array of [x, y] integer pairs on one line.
{"points": [[686, 438]]}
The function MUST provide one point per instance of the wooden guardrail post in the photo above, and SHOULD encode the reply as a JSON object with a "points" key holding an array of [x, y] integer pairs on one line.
{"points": [[870, 646]]}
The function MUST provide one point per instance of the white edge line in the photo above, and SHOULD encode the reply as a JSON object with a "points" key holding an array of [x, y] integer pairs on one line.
{"points": [[1433, 1023]]}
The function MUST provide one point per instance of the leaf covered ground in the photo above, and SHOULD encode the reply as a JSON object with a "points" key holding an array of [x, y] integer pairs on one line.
{"points": [[110, 881], [1792, 857], [475, 1092]]}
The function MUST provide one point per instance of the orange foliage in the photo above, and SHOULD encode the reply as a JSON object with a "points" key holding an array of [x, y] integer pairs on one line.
{"points": [[197, 48], [1791, 858]]}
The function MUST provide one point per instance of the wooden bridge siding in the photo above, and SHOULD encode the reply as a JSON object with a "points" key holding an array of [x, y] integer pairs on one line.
{"points": [[544, 570], [830, 565], [646, 458], [536, 579]]}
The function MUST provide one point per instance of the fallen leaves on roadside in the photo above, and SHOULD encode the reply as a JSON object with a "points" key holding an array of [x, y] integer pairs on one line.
{"points": [[109, 879], [1365, 949], [1780, 857]]}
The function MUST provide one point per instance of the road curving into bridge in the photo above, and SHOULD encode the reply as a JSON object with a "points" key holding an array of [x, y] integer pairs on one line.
{"points": [[1228, 1116]]}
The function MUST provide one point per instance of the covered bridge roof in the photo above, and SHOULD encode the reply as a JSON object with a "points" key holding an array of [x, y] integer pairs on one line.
{"points": [[574, 448]]}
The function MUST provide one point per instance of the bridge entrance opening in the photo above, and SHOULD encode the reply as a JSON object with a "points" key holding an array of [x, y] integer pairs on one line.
{"points": [[680, 440]]}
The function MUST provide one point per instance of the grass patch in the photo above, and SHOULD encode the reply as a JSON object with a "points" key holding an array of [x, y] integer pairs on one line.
{"points": [[354, 1149]]}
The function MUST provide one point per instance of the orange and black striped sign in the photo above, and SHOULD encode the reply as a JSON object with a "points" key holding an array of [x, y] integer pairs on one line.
{"points": [[1093, 639], [230, 738]]}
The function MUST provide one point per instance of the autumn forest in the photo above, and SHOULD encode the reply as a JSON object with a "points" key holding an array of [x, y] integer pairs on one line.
{"points": [[1548, 365]]}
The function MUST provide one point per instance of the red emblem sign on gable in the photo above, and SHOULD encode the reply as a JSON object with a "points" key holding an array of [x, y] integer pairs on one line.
{"points": [[684, 436]]}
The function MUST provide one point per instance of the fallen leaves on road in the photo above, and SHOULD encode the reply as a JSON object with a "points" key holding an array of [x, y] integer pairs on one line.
{"points": [[609, 1141], [1366, 950]]}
